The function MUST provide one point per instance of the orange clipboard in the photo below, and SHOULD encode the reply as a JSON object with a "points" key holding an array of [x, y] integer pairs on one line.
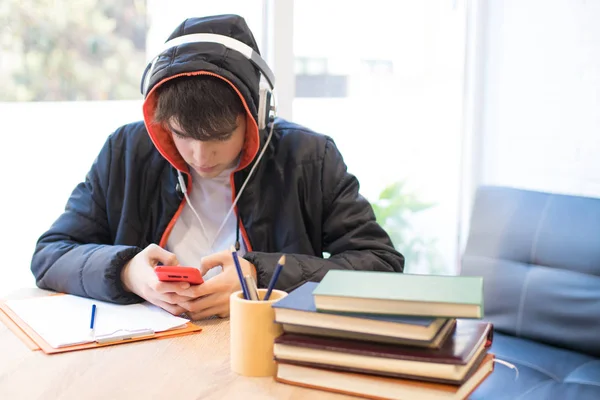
{"points": [[35, 342]]}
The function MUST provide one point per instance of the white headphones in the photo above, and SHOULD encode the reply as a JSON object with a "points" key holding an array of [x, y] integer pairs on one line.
{"points": [[265, 92]]}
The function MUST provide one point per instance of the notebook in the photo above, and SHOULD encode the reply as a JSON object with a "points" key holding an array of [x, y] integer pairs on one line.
{"points": [[390, 293], [298, 309], [62, 322]]}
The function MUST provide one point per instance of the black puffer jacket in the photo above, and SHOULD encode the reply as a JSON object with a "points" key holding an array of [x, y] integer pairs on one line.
{"points": [[300, 201]]}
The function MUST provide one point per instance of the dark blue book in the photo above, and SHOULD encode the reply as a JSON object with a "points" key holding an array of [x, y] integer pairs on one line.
{"points": [[298, 314]]}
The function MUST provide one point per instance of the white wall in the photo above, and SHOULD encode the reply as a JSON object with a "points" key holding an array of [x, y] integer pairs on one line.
{"points": [[540, 95]]}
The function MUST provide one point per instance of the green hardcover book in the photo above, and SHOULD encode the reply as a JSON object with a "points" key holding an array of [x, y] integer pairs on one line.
{"points": [[391, 293]]}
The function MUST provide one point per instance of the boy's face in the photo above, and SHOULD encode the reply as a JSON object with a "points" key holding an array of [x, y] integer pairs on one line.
{"points": [[210, 158]]}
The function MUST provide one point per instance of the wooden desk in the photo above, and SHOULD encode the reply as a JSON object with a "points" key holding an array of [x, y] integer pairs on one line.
{"points": [[190, 367]]}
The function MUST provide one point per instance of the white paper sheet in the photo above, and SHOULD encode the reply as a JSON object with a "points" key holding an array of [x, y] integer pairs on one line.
{"points": [[64, 320]]}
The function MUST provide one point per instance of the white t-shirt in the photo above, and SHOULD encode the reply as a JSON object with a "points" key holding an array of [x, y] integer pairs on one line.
{"points": [[211, 198]]}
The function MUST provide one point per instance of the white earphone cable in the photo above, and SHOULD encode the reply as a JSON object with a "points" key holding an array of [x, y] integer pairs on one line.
{"points": [[237, 197], [187, 198]]}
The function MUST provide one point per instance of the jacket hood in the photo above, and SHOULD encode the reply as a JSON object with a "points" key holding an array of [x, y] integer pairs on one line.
{"points": [[205, 59]]}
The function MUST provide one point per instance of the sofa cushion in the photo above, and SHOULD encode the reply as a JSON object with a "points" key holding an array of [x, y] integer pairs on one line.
{"points": [[539, 255], [544, 372]]}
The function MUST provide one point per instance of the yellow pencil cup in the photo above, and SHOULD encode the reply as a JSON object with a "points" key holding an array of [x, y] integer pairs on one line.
{"points": [[252, 332]]}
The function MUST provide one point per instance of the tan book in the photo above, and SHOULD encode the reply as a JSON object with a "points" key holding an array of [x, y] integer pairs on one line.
{"points": [[380, 388]]}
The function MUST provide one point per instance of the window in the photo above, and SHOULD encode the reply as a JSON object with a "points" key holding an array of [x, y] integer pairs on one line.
{"points": [[72, 51], [70, 75], [313, 79], [384, 81], [398, 122], [377, 67]]}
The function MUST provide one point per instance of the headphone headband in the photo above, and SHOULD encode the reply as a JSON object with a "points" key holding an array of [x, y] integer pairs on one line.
{"points": [[226, 41]]}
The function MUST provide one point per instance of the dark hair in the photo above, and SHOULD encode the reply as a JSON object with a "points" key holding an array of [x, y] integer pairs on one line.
{"points": [[205, 108]]}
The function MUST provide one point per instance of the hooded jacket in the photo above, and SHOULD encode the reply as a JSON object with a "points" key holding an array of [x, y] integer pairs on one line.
{"points": [[300, 200]]}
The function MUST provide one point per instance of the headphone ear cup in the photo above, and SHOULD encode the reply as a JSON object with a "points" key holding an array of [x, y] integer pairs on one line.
{"points": [[264, 107], [145, 78]]}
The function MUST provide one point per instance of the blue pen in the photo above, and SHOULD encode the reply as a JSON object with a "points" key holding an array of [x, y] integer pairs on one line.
{"points": [[238, 268], [93, 320], [275, 276]]}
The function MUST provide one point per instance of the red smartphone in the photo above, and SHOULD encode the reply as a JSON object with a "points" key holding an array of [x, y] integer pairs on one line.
{"points": [[169, 273]]}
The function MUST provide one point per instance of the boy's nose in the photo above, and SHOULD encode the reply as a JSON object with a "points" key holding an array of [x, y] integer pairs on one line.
{"points": [[203, 152]]}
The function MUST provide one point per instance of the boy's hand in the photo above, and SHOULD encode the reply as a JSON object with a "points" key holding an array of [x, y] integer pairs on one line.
{"points": [[212, 297], [138, 277]]}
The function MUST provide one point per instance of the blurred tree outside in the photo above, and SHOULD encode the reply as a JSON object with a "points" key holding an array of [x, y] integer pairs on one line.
{"points": [[394, 209], [59, 50]]}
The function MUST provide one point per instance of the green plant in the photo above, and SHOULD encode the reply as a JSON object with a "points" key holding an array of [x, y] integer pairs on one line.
{"points": [[394, 209], [72, 50]]}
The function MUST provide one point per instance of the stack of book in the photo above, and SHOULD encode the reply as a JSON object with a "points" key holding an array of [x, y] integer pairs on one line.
{"points": [[385, 335]]}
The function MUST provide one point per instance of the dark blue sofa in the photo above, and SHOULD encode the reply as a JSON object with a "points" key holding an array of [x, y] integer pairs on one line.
{"points": [[539, 254]]}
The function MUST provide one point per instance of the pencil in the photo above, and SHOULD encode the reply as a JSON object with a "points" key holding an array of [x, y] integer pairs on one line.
{"points": [[252, 290], [238, 268], [275, 276]]}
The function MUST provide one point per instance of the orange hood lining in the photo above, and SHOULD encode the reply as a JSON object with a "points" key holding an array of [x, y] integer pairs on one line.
{"points": [[163, 139]]}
